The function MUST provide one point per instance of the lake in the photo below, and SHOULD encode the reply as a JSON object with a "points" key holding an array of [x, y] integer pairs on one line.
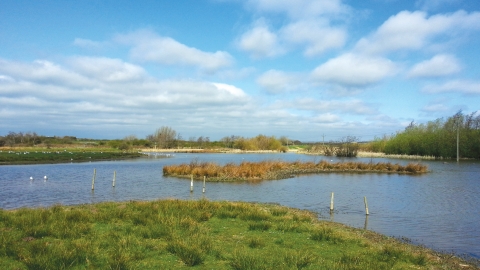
{"points": [[439, 209]]}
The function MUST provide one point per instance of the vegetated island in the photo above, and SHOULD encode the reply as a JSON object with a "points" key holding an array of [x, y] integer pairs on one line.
{"points": [[176, 234], [10, 156], [271, 170]]}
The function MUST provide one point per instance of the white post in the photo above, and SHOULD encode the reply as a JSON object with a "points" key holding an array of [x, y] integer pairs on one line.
{"points": [[331, 203], [366, 205], [114, 178], [191, 184], [93, 179], [204, 184]]}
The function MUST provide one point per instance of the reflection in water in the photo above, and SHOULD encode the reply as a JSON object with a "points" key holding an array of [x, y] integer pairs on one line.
{"points": [[443, 202], [331, 216]]}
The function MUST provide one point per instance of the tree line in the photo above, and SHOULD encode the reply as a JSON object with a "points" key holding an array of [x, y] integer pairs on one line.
{"points": [[29, 138], [163, 138], [166, 137], [436, 138]]}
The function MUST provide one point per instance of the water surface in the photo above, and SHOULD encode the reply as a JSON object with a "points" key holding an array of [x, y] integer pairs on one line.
{"points": [[439, 209]]}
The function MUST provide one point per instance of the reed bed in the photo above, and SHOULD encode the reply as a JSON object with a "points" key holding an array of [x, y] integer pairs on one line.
{"points": [[176, 234], [270, 170], [383, 155]]}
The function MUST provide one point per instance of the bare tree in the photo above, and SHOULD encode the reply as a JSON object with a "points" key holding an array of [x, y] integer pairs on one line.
{"points": [[348, 147], [164, 137], [178, 140], [200, 141]]}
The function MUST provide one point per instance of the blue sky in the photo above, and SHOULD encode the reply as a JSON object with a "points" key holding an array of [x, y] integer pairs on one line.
{"points": [[297, 68]]}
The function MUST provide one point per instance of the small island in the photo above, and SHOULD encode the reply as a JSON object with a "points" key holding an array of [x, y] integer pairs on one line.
{"points": [[272, 170]]}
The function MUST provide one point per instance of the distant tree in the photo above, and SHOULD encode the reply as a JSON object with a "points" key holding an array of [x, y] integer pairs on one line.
{"points": [[11, 138], [284, 140], [200, 141], [348, 147], [178, 140], [206, 142], [165, 137], [438, 138]]}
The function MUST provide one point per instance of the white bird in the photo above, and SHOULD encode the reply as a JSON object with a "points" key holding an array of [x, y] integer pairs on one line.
{"points": [[31, 178], [45, 178]]}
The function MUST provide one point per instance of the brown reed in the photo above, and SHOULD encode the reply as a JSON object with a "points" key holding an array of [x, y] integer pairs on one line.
{"points": [[270, 170]]}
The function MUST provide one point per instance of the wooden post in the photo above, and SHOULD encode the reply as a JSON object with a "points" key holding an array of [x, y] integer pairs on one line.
{"points": [[93, 179], [331, 203], [204, 184], [191, 184], [366, 205], [114, 178], [365, 227]]}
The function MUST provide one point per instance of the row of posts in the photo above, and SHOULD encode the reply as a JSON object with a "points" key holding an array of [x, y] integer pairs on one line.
{"points": [[191, 184], [204, 188], [364, 200], [95, 175], [115, 177]]}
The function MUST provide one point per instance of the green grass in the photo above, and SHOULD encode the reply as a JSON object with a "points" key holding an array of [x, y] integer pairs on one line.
{"points": [[175, 234], [59, 155]]}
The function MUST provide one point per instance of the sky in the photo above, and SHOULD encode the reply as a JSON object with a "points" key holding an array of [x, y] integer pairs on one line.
{"points": [[310, 70]]}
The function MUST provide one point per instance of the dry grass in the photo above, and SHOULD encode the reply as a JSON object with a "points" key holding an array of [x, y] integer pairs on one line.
{"points": [[269, 170]]}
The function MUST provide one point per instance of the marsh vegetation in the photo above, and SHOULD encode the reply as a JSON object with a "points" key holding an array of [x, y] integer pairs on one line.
{"points": [[175, 234], [269, 170]]}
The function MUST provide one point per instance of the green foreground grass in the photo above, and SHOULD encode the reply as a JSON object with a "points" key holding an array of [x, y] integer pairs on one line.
{"points": [[60, 155], [175, 234]]}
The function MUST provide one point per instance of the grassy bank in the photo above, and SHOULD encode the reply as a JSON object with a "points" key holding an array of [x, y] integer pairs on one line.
{"points": [[59, 155], [266, 170], [174, 234]]}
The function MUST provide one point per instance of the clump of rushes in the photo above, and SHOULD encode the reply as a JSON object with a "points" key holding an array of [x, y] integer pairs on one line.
{"points": [[269, 170], [176, 234]]}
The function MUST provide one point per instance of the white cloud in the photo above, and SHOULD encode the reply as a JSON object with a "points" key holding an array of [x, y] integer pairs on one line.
{"points": [[260, 42], [150, 47], [326, 118], [437, 107], [455, 86], [316, 34], [300, 8], [414, 30], [353, 106], [139, 98], [107, 69], [354, 70], [230, 90], [87, 43], [439, 65], [276, 81], [42, 71]]}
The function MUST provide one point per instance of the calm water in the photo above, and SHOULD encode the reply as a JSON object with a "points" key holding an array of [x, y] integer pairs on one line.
{"points": [[439, 210]]}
